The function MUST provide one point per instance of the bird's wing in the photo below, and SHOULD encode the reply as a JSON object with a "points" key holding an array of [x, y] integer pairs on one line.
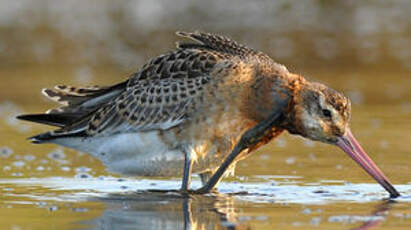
{"points": [[193, 58], [166, 89], [161, 104]]}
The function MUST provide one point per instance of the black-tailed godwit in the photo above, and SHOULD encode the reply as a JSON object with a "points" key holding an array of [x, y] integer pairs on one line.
{"points": [[198, 109]]}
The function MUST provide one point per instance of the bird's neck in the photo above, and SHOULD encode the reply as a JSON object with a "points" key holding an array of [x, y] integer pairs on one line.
{"points": [[291, 123]]}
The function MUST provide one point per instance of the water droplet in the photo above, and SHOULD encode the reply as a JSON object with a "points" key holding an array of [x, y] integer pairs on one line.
{"points": [[290, 160], [82, 176], [262, 218], [79, 209], [82, 169], [18, 164], [40, 168], [53, 208], [353, 219], [17, 174], [5, 151], [29, 157], [41, 204], [15, 227], [315, 221], [57, 155], [6, 168], [306, 211], [65, 168]]}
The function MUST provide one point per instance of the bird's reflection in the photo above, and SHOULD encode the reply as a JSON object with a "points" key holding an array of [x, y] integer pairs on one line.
{"points": [[148, 210], [377, 216], [169, 210]]}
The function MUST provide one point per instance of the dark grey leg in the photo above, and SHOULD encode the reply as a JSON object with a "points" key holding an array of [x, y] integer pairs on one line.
{"points": [[205, 176], [188, 165], [249, 139], [188, 220]]}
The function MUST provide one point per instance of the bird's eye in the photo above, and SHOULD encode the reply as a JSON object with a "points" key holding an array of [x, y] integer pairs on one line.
{"points": [[326, 113]]}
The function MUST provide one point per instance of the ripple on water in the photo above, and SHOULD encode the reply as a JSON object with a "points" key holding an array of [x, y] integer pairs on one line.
{"points": [[253, 192], [29, 157], [83, 169], [58, 155], [5, 151], [82, 175], [65, 168], [353, 219]]}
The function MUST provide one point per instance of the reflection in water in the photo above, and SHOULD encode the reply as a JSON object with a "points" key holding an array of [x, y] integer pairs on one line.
{"points": [[377, 216], [158, 210], [115, 203], [167, 211]]}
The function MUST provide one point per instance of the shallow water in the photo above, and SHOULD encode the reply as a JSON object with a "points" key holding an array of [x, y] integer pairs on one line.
{"points": [[289, 184], [280, 201]]}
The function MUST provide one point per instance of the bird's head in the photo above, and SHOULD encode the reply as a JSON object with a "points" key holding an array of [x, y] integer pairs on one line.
{"points": [[322, 114]]}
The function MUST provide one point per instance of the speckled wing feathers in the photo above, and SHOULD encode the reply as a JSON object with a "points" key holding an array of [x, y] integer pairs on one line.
{"points": [[160, 105], [167, 89], [215, 42], [80, 100]]}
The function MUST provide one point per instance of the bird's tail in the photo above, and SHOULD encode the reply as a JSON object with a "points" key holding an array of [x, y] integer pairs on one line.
{"points": [[76, 106]]}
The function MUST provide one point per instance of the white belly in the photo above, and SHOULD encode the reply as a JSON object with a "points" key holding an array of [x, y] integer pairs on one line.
{"points": [[143, 154]]}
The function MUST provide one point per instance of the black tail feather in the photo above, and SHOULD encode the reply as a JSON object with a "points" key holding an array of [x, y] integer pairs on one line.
{"points": [[59, 120], [40, 138], [49, 136], [72, 117]]}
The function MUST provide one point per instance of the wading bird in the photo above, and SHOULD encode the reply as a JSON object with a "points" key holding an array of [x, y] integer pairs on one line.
{"points": [[199, 109]]}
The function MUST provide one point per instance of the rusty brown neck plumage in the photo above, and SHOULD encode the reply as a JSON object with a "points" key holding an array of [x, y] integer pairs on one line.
{"points": [[290, 123]]}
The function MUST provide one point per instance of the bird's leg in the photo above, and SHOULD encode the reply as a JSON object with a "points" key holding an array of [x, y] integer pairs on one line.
{"points": [[205, 177], [188, 219], [188, 165], [248, 140]]}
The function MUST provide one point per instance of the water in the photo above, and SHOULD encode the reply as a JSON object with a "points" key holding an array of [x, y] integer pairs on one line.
{"points": [[291, 183], [114, 203]]}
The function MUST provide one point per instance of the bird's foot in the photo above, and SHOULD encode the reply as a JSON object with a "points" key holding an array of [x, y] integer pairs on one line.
{"points": [[203, 190], [199, 191]]}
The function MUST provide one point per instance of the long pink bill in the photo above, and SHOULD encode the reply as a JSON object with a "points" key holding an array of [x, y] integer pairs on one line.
{"points": [[350, 145]]}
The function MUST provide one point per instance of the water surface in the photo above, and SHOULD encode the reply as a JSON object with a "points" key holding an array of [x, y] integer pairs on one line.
{"points": [[289, 184]]}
